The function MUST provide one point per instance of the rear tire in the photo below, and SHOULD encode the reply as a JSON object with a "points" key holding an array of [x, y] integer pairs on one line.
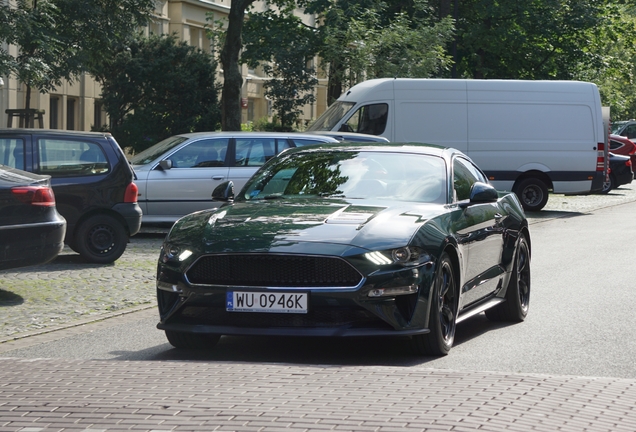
{"points": [[442, 321], [515, 308], [533, 194], [192, 341], [100, 239]]}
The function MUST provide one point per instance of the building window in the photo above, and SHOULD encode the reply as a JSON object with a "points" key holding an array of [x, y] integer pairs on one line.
{"points": [[70, 114], [54, 109], [97, 119]]}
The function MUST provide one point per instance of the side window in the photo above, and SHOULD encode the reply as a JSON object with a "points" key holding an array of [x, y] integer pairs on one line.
{"points": [[630, 131], [68, 158], [12, 152], [615, 145], [369, 119], [203, 153], [254, 151], [465, 175]]}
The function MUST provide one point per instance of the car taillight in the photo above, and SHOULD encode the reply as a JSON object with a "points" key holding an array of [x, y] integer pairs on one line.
{"points": [[600, 157], [628, 163], [35, 195], [130, 196]]}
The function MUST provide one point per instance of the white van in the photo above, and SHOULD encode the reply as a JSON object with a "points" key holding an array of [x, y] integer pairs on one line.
{"points": [[528, 136]]}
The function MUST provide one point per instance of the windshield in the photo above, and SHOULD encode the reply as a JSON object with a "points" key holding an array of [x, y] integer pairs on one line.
{"points": [[154, 152], [617, 126], [350, 174], [330, 118]]}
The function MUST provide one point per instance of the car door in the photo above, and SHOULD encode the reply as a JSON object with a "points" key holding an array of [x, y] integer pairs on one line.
{"points": [[250, 154], [479, 234], [186, 186]]}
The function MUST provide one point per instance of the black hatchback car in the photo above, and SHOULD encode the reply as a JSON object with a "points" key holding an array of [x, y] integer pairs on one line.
{"points": [[92, 181], [31, 229]]}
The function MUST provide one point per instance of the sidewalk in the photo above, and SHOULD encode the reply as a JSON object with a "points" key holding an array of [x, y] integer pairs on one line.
{"points": [[90, 396]]}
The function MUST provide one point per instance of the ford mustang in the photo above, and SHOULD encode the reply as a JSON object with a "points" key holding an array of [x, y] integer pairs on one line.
{"points": [[348, 240]]}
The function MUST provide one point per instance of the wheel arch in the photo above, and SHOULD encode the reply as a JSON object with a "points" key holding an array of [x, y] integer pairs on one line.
{"points": [[534, 174]]}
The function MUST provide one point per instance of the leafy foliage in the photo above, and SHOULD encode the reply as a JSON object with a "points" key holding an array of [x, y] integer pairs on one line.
{"points": [[161, 87], [284, 47], [59, 39]]}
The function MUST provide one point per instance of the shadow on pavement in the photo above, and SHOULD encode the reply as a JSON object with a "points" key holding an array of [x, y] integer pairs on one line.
{"points": [[7, 298], [355, 351]]}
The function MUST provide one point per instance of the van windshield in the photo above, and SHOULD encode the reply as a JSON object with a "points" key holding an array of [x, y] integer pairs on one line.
{"points": [[332, 116]]}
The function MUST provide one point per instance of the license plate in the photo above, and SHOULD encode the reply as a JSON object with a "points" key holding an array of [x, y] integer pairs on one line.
{"points": [[272, 302]]}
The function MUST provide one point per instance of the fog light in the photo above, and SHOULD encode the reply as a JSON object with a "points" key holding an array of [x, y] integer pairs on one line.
{"points": [[393, 291]]}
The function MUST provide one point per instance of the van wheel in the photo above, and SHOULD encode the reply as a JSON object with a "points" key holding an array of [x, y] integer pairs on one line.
{"points": [[609, 185], [532, 193], [101, 239]]}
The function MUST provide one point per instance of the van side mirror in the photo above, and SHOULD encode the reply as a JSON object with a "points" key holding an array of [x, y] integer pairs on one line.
{"points": [[224, 192]]}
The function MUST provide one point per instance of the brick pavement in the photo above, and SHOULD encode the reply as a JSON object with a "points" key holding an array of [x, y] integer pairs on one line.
{"points": [[108, 396], [91, 396]]}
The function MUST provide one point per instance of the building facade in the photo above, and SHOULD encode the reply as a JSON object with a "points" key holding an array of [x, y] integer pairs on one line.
{"points": [[76, 105]]}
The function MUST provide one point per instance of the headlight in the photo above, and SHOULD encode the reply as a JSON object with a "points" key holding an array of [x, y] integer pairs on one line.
{"points": [[408, 256], [171, 252]]}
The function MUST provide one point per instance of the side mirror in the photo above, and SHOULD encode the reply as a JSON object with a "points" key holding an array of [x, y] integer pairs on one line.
{"points": [[483, 193], [165, 164], [224, 192]]}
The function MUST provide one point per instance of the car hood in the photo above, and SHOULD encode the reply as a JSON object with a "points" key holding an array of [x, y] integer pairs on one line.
{"points": [[307, 226]]}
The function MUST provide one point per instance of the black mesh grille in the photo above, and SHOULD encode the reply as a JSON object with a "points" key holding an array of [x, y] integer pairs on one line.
{"points": [[273, 270]]}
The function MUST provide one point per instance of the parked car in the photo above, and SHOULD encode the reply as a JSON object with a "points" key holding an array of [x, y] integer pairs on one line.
{"points": [[351, 136], [31, 229], [620, 173], [177, 175], [623, 146], [348, 240], [92, 181], [626, 128]]}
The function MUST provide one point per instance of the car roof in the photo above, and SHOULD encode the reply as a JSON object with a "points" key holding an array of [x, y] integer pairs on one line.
{"points": [[351, 136], [54, 132], [224, 134], [419, 148]]}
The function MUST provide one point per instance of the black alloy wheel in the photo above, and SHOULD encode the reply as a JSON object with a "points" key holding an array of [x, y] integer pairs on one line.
{"points": [[443, 318], [517, 304]]}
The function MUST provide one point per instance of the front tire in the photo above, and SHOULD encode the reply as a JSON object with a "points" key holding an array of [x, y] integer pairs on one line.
{"points": [[101, 239], [515, 308], [533, 194], [192, 341], [443, 317]]}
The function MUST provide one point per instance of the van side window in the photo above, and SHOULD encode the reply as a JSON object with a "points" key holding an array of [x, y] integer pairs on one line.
{"points": [[369, 119]]}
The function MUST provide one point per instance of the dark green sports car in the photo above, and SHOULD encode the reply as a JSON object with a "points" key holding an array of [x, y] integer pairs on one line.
{"points": [[348, 240]]}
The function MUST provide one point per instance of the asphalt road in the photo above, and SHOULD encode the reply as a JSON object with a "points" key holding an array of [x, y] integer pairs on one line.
{"points": [[580, 321]]}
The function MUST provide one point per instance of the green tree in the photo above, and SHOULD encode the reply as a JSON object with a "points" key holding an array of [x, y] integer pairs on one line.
{"points": [[284, 47], [161, 88], [371, 38], [59, 39], [537, 39]]}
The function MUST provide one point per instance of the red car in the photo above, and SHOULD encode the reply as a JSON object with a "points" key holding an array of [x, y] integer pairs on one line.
{"points": [[623, 146]]}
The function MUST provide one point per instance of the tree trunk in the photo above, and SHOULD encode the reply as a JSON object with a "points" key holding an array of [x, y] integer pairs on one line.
{"points": [[334, 86], [232, 79]]}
